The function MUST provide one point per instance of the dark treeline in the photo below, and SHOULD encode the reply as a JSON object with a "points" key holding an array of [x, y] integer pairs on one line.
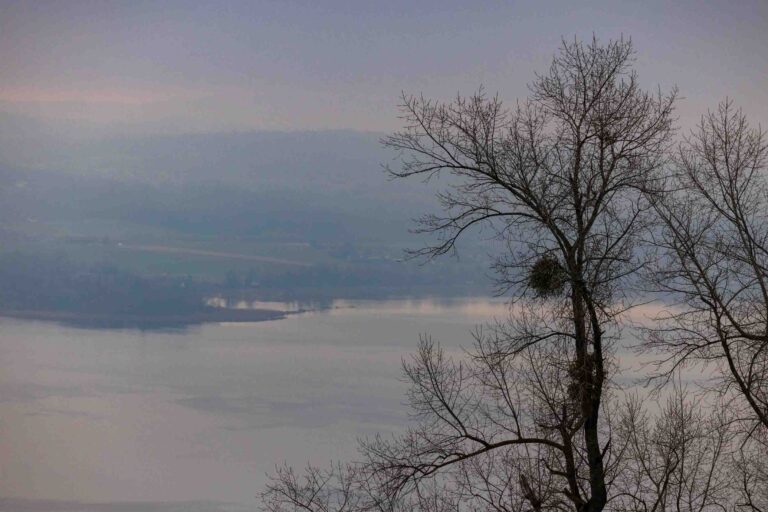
{"points": [[32, 282], [46, 284]]}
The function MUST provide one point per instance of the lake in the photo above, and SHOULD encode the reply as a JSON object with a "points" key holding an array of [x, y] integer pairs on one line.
{"points": [[124, 420]]}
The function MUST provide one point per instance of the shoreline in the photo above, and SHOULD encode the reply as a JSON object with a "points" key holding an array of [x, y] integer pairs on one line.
{"points": [[147, 322]]}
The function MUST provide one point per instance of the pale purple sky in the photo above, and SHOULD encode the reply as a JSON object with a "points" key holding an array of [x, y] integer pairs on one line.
{"points": [[179, 66]]}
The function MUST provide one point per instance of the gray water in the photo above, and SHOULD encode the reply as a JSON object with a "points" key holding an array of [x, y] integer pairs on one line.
{"points": [[107, 420]]}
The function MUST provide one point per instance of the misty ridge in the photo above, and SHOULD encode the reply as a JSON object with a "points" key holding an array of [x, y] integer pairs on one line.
{"points": [[141, 230], [325, 173]]}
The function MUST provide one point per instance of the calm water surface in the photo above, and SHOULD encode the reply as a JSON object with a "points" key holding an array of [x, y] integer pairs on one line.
{"points": [[106, 420]]}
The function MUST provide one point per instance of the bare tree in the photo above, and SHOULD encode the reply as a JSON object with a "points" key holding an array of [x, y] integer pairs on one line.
{"points": [[528, 418], [676, 460], [499, 434], [559, 180], [317, 490], [349, 487], [713, 266], [714, 260]]}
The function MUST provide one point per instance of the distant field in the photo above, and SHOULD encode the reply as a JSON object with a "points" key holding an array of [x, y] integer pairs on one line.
{"points": [[165, 249]]}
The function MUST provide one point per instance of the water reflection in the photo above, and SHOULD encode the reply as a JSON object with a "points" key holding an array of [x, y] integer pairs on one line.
{"points": [[93, 419], [480, 307], [285, 307]]}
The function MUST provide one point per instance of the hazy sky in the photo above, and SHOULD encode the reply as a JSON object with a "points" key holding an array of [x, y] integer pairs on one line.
{"points": [[177, 66]]}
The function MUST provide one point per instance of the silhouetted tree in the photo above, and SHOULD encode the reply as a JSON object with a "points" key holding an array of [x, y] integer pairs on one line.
{"points": [[713, 262], [519, 424], [678, 459], [559, 179]]}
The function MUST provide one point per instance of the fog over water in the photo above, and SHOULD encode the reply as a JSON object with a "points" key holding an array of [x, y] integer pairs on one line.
{"points": [[192, 420], [172, 173]]}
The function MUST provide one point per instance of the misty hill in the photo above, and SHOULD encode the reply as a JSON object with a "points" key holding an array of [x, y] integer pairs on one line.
{"points": [[257, 215], [308, 185]]}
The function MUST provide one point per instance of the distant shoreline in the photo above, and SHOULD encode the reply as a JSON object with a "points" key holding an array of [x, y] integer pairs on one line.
{"points": [[148, 322]]}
